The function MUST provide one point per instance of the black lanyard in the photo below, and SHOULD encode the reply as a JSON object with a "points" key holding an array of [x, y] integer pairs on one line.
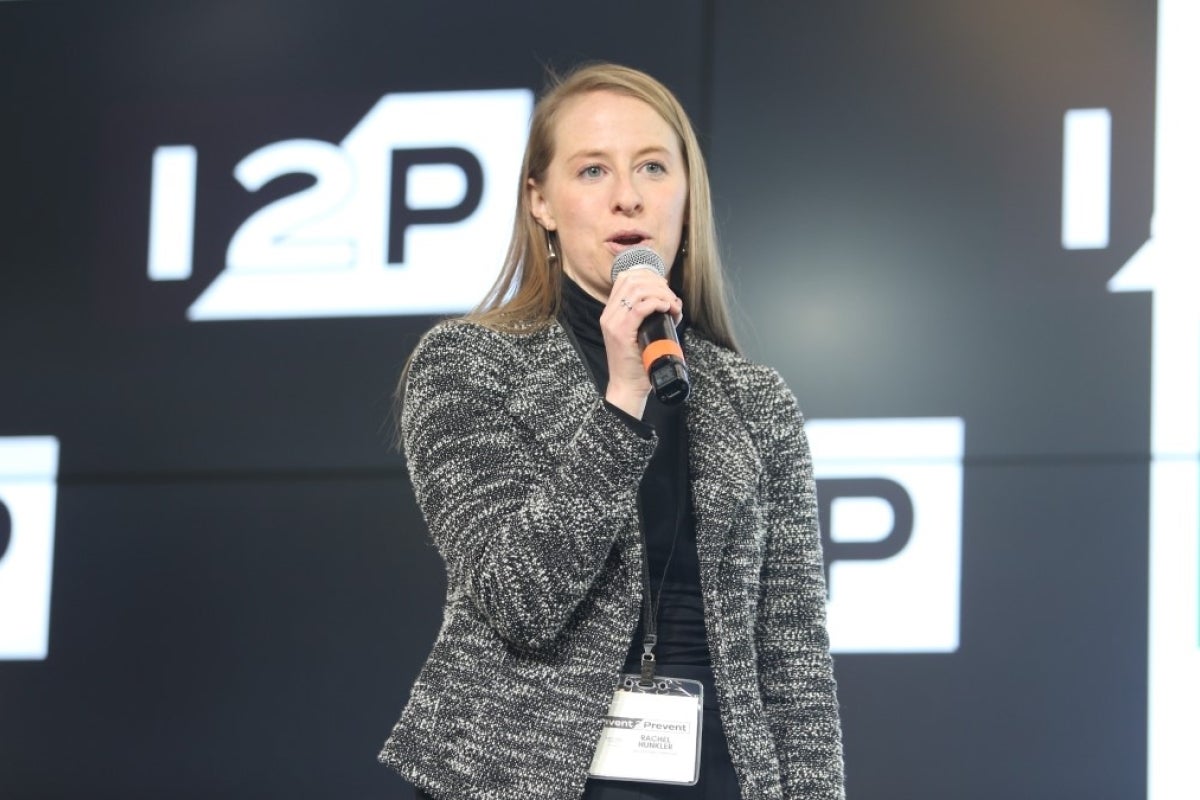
{"points": [[651, 603], [650, 600]]}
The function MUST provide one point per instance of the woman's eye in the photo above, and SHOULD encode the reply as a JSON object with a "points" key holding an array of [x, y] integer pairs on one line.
{"points": [[655, 168], [592, 171]]}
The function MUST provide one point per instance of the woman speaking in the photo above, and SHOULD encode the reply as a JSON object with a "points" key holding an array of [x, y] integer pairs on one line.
{"points": [[635, 599]]}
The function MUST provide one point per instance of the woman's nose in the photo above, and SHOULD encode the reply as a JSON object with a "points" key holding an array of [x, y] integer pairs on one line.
{"points": [[626, 197]]}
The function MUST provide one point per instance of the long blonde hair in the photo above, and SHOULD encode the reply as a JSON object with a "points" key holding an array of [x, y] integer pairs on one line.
{"points": [[526, 295]]}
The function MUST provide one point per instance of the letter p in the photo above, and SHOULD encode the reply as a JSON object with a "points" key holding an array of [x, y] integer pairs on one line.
{"points": [[28, 488], [890, 509]]}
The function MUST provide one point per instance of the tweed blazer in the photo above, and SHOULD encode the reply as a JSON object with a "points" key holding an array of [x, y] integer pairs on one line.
{"points": [[529, 484]]}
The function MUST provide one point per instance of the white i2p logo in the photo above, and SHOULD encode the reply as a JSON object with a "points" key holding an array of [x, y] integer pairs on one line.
{"points": [[410, 214], [890, 502], [28, 475]]}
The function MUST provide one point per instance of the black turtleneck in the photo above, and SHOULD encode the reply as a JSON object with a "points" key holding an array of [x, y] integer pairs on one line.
{"points": [[664, 496]]}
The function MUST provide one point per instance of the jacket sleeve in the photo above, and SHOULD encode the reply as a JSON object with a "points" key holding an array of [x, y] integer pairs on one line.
{"points": [[794, 665], [524, 532]]}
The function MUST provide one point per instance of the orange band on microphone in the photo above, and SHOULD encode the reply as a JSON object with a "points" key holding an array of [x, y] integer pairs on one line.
{"points": [[659, 348]]}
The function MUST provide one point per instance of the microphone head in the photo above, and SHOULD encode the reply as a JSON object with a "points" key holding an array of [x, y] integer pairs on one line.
{"points": [[638, 258]]}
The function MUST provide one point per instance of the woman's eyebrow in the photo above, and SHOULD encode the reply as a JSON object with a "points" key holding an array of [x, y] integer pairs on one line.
{"points": [[598, 153]]}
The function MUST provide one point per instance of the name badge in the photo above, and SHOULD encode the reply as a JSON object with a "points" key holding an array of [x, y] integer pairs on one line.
{"points": [[651, 733]]}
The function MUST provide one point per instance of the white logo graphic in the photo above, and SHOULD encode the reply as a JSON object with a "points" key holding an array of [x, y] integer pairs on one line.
{"points": [[28, 474], [410, 214], [1168, 266], [890, 494], [1087, 162]]}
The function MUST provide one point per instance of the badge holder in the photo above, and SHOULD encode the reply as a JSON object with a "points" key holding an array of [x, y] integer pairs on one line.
{"points": [[652, 731]]}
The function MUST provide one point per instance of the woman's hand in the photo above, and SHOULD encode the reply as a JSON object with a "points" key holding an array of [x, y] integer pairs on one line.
{"points": [[636, 294]]}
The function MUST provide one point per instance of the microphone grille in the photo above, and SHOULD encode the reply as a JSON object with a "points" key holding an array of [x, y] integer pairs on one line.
{"points": [[638, 257]]}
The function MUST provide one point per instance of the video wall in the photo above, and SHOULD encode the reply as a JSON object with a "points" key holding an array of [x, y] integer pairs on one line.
{"points": [[961, 231]]}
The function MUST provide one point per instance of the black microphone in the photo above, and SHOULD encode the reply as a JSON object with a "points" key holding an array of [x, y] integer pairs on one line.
{"points": [[661, 354]]}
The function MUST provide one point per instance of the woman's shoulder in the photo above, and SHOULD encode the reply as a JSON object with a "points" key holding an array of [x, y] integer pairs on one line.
{"points": [[469, 338], [754, 383]]}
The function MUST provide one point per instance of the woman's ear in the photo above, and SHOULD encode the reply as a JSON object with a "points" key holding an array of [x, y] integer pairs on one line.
{"points": [[539, 207]]}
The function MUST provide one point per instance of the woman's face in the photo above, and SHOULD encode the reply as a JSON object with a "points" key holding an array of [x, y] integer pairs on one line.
{"points": [[617, 180]]}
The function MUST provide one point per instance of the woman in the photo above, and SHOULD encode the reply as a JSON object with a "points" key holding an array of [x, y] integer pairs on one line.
{"points": [[542, 461]]}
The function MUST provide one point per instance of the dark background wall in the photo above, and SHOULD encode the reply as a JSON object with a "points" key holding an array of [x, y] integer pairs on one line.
{"points": [[242, 586]]}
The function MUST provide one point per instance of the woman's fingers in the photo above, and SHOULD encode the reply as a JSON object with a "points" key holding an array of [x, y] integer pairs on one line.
{"points": [[635, 295], [641, 292]]}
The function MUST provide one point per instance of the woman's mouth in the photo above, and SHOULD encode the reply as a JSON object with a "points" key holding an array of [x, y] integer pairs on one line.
{"points": [[628, 239]]}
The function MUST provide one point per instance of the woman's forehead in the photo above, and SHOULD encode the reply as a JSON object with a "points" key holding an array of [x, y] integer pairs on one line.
{"points": [[602, 119]]}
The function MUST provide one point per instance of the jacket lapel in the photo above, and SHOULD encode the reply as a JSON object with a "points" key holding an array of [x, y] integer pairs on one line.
{"points": [[557, 392], [724, 464]]}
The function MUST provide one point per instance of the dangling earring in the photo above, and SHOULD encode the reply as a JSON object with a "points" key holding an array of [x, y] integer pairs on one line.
{"points": [[551, 255], [683, 243]]}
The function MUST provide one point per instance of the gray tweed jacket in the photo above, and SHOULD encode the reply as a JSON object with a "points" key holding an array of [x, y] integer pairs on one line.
{"points": [[528, 483]]}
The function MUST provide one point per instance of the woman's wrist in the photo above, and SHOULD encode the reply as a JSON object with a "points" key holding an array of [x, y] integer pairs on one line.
{"points": [[630, 400]]}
